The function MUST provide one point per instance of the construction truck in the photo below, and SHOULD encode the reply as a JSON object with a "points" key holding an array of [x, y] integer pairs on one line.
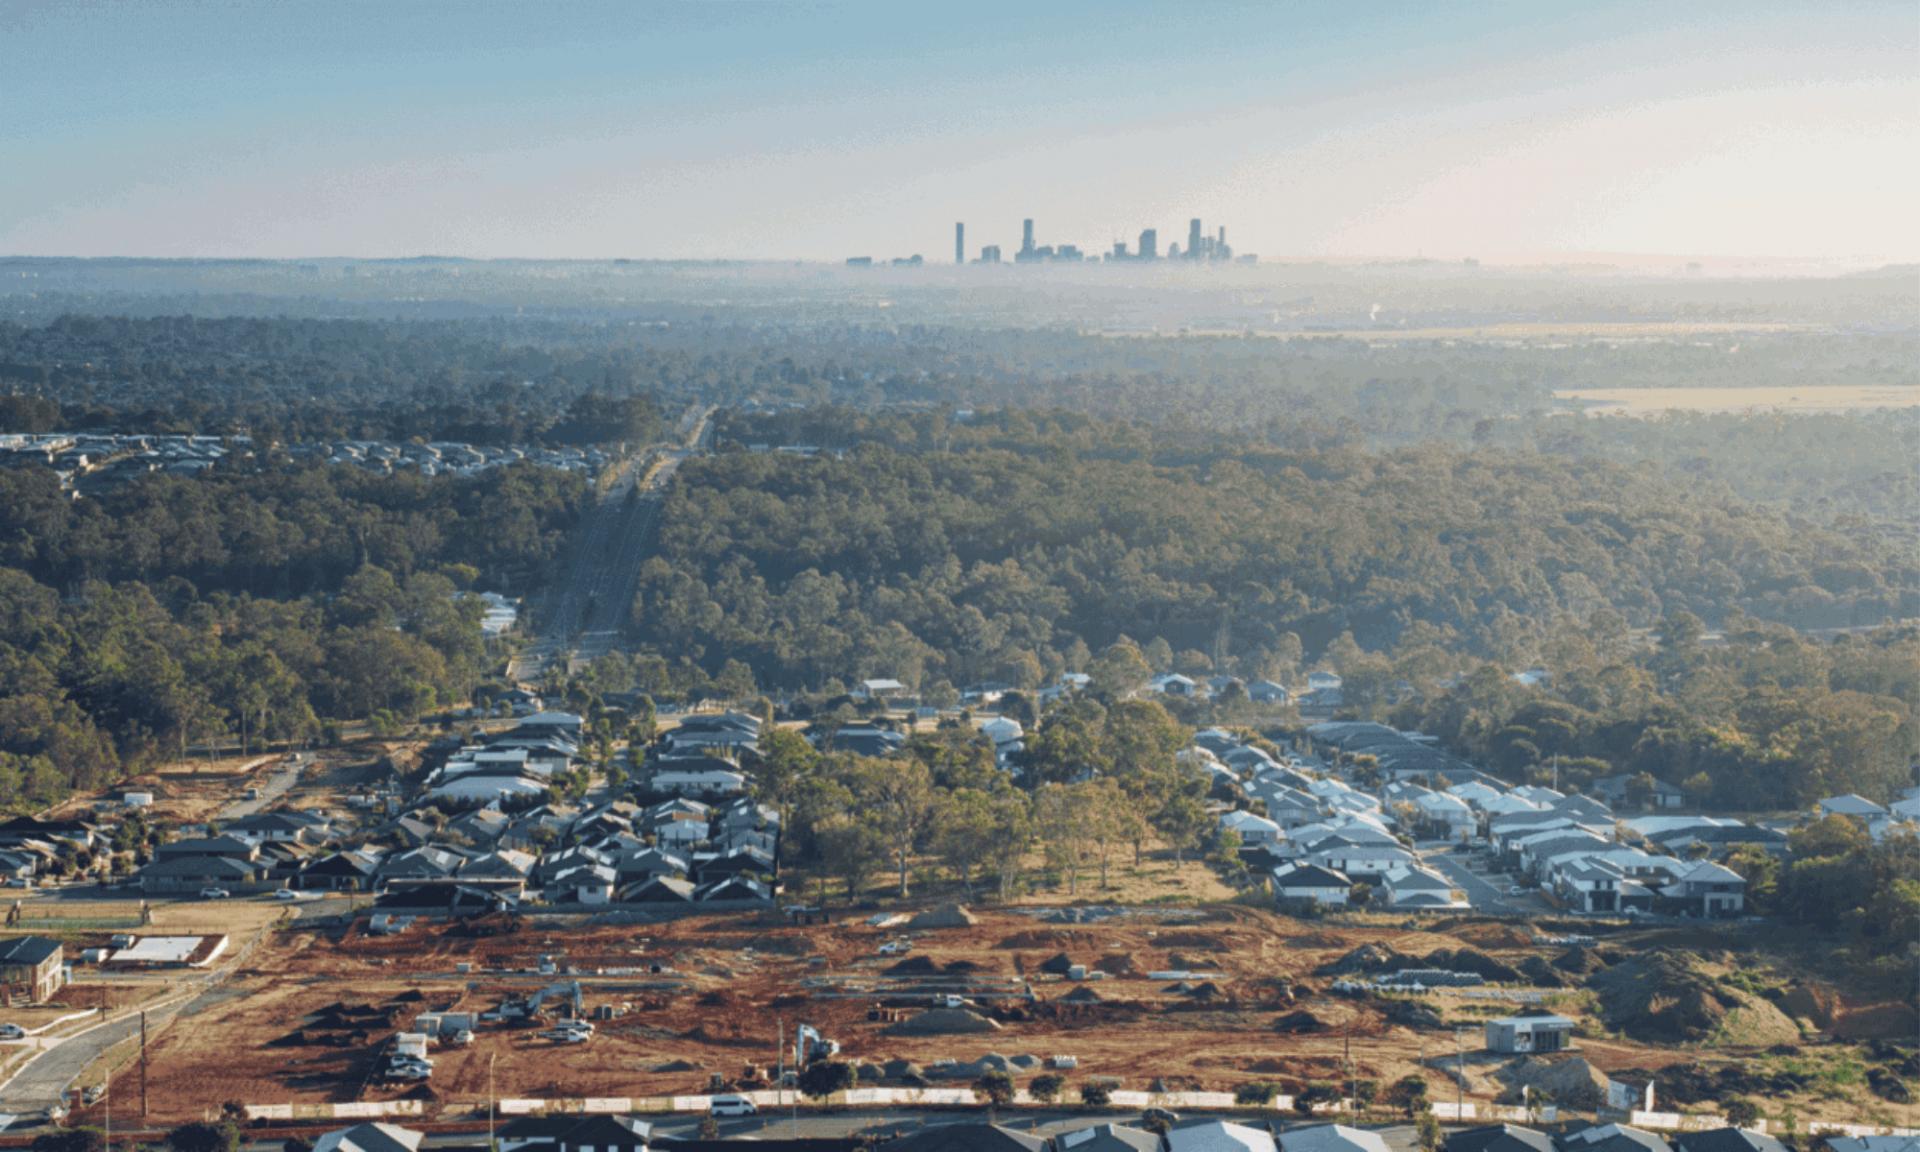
{"points": [[809, 1045]]}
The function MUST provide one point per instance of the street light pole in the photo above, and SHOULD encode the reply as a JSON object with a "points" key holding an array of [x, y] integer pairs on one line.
{"points": [[491, 1143]]}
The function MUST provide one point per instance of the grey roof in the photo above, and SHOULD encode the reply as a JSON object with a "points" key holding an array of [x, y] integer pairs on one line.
{"points": [[1499, 1138], [965, 1136], [1728, 1140], [28, 950], [1108, 1138]]}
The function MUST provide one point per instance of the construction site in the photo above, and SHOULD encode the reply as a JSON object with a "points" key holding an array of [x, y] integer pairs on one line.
{"points": [[454, 1014]]}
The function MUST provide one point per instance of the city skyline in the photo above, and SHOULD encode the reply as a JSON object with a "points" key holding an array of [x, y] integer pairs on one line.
{"points": [[1499, 132]]}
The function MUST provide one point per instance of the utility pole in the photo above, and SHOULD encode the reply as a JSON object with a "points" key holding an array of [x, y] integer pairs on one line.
{"points": [[143, 1063], [491, 1143], [1459, 1075]]}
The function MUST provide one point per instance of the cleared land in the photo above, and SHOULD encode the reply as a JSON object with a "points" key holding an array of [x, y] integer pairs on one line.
{"points": [[703, 996]]}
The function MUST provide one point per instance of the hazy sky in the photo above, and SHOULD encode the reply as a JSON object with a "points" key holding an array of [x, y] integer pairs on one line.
{"points": [[797, 130]]}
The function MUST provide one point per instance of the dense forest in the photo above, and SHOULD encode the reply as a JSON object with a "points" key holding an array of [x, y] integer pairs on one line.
{"points": [[246, 606], [1008, 547]]}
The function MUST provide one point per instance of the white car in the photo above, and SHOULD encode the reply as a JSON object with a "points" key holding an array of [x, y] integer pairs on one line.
{"points": [[732, 1106], [462, 1038], [409, 1072], [12, 1032], [567, 1036], [214, 893], [895, 948], [286, 895], [1517, 890]]}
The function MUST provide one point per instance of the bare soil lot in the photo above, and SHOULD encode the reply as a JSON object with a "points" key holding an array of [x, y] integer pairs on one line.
{"points": [[709, 996]]}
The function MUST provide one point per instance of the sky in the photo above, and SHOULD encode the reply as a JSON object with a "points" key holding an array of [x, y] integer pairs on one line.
{"points": [[814, 131]]}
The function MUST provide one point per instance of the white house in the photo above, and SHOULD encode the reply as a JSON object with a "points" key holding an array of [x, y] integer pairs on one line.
{"points": [[1311, 882], [1851, 805], [1251, 829]]}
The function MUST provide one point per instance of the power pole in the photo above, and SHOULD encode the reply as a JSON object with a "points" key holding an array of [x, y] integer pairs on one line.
{"points": [[491, 1144], [1459, 1075], [143, 1063]]}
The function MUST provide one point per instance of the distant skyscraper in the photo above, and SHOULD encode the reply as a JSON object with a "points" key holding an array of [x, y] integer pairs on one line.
{"points": [[990, 254], [1026, 235], [960, 242], [1150, 244], [1193, 239]]}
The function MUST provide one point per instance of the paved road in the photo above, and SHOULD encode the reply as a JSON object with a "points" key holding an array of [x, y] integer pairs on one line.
{"points": [[1486, 893], [585, 612], [278, 784], [43, 1080]]}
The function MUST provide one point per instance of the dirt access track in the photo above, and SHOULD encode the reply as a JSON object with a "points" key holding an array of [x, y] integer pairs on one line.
{"points": [[704, 996]]}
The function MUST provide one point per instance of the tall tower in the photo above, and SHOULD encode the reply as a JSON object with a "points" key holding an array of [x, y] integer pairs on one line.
{"points": [[1149, 244], [1026, 235], [1193, 239], [960, 242]]}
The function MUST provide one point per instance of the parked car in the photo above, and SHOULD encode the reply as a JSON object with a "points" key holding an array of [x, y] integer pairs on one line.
{"points": [[731, 1105], [214, 893], [462, 1038], [1517, 890], [12, 1032], [286, 894], [1166, 1116], [895, 948]]}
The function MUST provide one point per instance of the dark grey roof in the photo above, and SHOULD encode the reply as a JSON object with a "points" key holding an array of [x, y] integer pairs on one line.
{"points": [[1499, 1138], [966, 1136], [28, 950], [1727, 1140]]}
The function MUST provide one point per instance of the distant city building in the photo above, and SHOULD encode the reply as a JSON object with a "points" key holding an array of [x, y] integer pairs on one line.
{"points": [[1026, 236], [960, 242], [1193, 238], [1149, 244], [859, 261], [990, 254]]}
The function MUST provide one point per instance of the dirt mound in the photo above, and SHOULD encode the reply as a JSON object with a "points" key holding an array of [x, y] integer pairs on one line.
{"points": [[944, 916], [1891, 1020], [944, 1022], [964, 966], [677, 1066], [1038, 938], [1572, 1083], [1082, 995], [914, 966], [1411, 1014], [1476, 961], [1668, 996], [1115, 964], [1296, 1023], [1580, 960], [1541, 973], [1059, 964], [1368, 958], [1204, 991], [1813, 1002]]}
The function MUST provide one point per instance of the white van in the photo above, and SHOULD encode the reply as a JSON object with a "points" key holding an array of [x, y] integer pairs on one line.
{"points": [[732, 1106]]}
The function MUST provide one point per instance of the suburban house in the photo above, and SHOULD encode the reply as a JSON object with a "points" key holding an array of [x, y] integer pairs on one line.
{"points": [[32, 969], [1268, 692], [966, 1136], [1851, 805], [1499, 1138], [1419, 887], [372, 1137], [1252, 830], [1543, 1033], [1174, 684], [1108, 1138], [1711, 891], [1311, 884], [879, 689], [1331, 1138], [1617, 790], [191, 873], [1217, 1136]]}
